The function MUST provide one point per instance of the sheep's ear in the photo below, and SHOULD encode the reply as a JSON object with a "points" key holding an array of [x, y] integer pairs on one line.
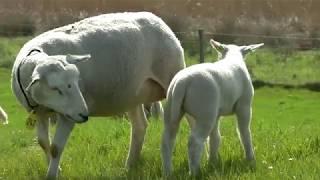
{"points": [[34, 80], [218, 46], [74, 59], [251, 48]]}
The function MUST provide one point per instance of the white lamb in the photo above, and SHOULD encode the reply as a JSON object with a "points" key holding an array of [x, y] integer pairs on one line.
{"points": [[205, 92]]}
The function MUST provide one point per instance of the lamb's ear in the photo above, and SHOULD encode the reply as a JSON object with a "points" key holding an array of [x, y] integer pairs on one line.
{"points": [[251, 48], [74, 59], [218, 46]]}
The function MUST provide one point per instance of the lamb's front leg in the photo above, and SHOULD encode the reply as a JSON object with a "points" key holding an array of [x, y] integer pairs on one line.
{"points": [[64, 128], [138, 130], [243, 113]]}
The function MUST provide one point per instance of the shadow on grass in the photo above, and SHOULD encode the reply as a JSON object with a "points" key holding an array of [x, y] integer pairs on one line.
{"points": [[310, 147], [144, 169], [221, 169], [314, 86], [226, 168]]}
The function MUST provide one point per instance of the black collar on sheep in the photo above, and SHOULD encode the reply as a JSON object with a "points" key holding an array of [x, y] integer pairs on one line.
{"points": [[32, 107]]}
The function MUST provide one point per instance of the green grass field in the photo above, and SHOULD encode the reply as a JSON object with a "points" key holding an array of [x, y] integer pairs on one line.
{"points": [[285, 127]]}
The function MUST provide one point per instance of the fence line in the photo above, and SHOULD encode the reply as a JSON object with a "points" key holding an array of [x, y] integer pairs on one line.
{"points": [[194, 33], [249, 35], [198, 36], [291, 37]]}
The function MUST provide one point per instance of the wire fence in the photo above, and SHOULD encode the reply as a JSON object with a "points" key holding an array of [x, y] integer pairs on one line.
{"points": [[15, 27], [196, 44], [196, 39]]}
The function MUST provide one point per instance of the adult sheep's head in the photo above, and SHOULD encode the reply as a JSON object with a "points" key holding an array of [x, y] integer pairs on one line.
{"points": [[55, 85]]}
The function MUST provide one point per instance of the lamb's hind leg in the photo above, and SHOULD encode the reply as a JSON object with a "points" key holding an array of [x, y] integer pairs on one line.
{"points": [[214, 142], [243, 113], [202, 106], [171, 127], [138, 130], [199, 133]]}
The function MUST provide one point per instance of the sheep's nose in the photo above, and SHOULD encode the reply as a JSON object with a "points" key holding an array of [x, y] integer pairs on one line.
{"points": [[84, 117]]}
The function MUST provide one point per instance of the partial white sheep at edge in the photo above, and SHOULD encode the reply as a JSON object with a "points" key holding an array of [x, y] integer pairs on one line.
{"points": [[205, 92], [3, 116]]}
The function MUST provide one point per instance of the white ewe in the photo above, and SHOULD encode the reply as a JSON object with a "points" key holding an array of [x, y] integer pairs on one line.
{"points": [[120, 62], [205, 92]]}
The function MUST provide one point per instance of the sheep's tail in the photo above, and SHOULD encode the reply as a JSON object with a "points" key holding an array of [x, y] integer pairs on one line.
{"points": [[176, 94], [3, 116]]}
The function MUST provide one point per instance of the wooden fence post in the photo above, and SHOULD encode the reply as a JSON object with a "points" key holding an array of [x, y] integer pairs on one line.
{"points": [[200, 31]]}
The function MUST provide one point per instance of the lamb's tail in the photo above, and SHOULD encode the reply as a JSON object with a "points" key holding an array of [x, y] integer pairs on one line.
{"points": [[3, 116], [176, 94]]}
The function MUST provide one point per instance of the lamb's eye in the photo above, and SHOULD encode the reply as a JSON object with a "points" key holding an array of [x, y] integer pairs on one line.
{"points": [[69, 85], [58, 90]]}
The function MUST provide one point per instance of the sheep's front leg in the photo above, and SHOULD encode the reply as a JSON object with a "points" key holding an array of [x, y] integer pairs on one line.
{"points": [[244, 117], [43, 134], [157, 110], [64, 128], [138, 130], [191, 121]]}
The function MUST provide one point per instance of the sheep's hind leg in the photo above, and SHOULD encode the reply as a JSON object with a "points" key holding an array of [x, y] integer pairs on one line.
{"points": [[138, 130], [244, 117]]}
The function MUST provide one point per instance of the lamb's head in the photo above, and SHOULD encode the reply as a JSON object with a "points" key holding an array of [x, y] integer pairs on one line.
{"points": [[55, 85], [224, 49]]}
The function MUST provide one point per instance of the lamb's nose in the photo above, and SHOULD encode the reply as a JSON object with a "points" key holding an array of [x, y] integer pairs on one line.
{"points": [[84, 117]]}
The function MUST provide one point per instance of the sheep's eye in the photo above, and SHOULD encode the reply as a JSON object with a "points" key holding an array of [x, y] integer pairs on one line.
{"points": [[69, 85], [58, 90]]}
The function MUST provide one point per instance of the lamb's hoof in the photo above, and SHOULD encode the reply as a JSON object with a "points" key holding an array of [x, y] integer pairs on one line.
{"points": [[128, 166], [252, 164], [166, 175], [195, 173]]}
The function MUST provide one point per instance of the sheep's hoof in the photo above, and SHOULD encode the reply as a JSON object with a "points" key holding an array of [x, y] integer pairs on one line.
{"points": [[214, 160], [130, 164], [51, 177]]}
